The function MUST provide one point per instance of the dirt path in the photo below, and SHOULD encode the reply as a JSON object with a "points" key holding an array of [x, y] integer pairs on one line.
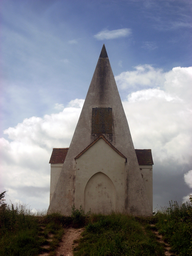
{"points": [[161, 240], [67, 244]]}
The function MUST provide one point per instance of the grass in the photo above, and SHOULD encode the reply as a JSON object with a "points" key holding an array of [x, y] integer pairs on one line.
{"points": [[175, 224], [18, 232], [22, 233], [117, 234]]}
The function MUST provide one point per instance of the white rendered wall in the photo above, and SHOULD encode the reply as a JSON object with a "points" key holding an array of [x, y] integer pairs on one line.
{"points": [[55, 173], [147, 174], [146, 171], [100, 180]]}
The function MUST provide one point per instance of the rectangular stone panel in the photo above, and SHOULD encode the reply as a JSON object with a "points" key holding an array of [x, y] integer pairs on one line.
{"points": [[102, 120]]}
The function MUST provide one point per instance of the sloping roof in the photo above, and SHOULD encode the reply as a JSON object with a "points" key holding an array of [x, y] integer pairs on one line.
{"points": [[144, 156], [58, 155], [106, 141]]}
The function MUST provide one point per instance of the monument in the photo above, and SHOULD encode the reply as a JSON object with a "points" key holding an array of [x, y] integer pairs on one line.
{"points": [[101, 171]]}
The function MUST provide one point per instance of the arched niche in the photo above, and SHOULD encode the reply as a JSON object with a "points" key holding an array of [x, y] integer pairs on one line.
{"points": [[100, 194]]}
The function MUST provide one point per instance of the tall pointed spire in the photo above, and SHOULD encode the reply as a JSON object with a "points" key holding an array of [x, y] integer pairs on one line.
{"points": [[103, 53], [102, 113]]}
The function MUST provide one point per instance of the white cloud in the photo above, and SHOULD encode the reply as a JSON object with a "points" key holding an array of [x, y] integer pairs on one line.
{"points": [[186, 199], [149, 94], [159, 117], [77, 103], [112, 34], [178, 82], [58, 106], [144, 75], [188, 178], [25, 156], [47, 130], [157, 123]]}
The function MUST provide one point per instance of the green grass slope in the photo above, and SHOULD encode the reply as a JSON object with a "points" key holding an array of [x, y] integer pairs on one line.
{"points": [[23, 234]]}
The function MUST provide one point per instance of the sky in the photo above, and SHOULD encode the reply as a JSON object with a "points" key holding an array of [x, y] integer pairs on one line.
{"points": [[48, 52]]}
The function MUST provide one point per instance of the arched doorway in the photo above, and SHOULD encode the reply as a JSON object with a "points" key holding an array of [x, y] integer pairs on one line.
{"points": [[100, 195]]}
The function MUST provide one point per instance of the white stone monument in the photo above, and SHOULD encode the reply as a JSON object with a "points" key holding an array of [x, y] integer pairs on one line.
{"points": [[101, 171]]}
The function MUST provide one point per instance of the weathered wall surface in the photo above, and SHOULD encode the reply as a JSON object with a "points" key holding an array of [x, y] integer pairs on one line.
{"points": [[55, 173], [99, 182], [89, 200], [147, 174], [100, 195]]}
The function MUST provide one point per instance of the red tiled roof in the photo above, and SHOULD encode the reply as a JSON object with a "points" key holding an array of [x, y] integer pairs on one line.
{"points": [[58, 155], [144, 156]]}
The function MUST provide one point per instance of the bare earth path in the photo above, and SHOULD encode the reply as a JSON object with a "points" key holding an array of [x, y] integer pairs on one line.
{"points": [[161, 240], [66, 245]]}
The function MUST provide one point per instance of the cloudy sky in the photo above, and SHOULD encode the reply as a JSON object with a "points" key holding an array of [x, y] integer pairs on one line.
{"points": [[48, 53]]}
